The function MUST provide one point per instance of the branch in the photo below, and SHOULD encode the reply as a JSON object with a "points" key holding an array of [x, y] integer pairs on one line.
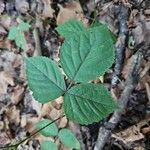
{"points": [[132, 80], [122, 16]]}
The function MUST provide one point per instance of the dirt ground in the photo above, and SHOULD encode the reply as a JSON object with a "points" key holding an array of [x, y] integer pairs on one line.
{"points": [[129, 20]]}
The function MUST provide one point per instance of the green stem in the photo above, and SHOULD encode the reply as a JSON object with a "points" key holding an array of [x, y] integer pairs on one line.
{"points": [[34, 133]]}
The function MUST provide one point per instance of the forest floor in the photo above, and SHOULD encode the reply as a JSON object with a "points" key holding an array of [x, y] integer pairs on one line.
{"points": [[129, 20]]}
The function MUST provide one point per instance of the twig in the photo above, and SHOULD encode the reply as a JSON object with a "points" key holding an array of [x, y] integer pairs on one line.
{"points": [[132, 80], [122, 16], [38, 51]]}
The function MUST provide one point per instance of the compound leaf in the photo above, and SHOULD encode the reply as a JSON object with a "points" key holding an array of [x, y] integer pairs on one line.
{"points": [[48, 145], [68, 139], [51, 130], [81, 53], [70, 28], [44, 79], [88, 103]]}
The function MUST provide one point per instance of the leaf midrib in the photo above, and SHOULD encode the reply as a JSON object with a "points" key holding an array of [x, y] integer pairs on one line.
{"points": [[87, 99], [85, 59]]}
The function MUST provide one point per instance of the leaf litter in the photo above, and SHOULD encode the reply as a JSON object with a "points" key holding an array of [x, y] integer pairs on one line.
{"points": [[18, 110]]}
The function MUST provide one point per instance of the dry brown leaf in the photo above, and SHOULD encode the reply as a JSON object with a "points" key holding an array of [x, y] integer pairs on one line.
{"points": [[57, 142], [5, 80], [63, 122], [40, 138], [140, 147], [17, 94], [58, 102], [135, 132], [130, 135], [30, 123], [126, 68], [18, 61], [47, 10], [37, 106], [2, 7], [5, 21], [4, 139], [1, 125], [54, 114], [46, 109], [141, 32], [22, 6], [23, 121], [72, 10], [5, 44], [62, 147], [13, 114], [114, 93], [144, 74], [2, 30]]}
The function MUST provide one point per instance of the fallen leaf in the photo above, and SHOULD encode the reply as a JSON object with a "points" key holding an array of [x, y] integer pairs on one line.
{"points": [[5, 21], [54, 114], [141, 32], [13, 114], [4, 139], [58, 102], [47, 10], [5, 80], [22, 6], [23, 121], [2, 31], [72, 10], [46, 109], [37, 106], [5, 44], [30, 123], [126, 68], [2, 7], [40, 138], [18, 61], [63, 122], [2, 125], [17, 94]]}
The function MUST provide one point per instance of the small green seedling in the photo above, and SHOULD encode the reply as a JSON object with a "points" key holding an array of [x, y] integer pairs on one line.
{"points": [[86, 54], [16, 33], [66, 137]]}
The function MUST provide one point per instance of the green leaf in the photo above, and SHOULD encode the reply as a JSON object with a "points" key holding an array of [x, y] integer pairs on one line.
{"points": [[48, 145], [51, 130], [68, 139], [88, 103], [70, 28], [13, 33], [81, 53], [99, 24], [21, 41], [23, 26], [16, 33], [44, 79]]}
